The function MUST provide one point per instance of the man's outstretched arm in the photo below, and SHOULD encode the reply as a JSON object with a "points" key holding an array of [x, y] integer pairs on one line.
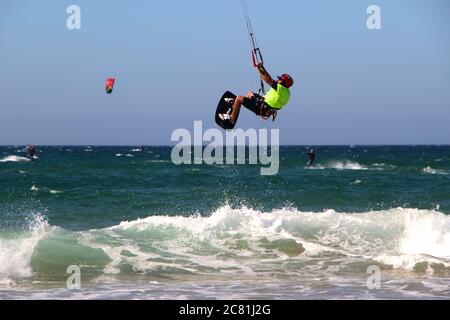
{"points": [[266, 76]]}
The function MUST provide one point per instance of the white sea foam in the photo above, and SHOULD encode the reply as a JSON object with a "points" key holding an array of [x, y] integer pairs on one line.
{"points": [[14, 159], [37, 189], [382, 166], [430, 170], [339, 165], [16, 252], [350, 165]]}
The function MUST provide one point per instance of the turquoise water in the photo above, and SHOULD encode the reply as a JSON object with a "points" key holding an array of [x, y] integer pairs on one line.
{"points": [[139, 226]]}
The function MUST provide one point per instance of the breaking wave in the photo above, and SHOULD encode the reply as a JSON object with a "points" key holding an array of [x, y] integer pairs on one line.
{"points": [[231, 241]]}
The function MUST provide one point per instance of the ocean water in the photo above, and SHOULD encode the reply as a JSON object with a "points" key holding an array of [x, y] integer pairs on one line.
{"points": [[140, 227]]}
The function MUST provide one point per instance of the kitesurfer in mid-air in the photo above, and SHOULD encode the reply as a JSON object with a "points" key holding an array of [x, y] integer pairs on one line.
{"points": [[274, 100]]}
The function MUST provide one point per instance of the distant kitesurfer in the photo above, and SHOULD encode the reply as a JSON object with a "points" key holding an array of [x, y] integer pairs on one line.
{"points": [[31, 152], [267, 106], [311, 155]]}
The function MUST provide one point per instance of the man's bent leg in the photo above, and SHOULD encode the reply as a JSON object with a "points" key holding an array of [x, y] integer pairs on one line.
{"points": [[236, 107]]}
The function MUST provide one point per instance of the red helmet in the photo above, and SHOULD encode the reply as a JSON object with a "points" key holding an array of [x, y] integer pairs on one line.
{"points": [[286, 80]]}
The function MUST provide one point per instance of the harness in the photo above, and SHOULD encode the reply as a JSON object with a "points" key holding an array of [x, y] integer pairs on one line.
{"points": [[269, 113]]}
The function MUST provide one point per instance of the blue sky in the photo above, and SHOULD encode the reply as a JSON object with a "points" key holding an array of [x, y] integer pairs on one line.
{"points": [[174, 59]]}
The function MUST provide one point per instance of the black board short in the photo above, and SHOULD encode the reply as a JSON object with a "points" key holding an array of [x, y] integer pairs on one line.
{"points": [[257, 105]]}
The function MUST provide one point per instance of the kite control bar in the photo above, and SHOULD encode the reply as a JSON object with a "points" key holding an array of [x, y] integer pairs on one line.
{"points": [[255, 58]]}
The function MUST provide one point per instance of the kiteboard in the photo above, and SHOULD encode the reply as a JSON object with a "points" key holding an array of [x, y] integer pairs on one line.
{"points": [[226, 106]]}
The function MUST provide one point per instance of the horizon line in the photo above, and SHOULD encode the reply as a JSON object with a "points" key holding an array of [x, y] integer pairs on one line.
{"points": [[204, 145]]}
